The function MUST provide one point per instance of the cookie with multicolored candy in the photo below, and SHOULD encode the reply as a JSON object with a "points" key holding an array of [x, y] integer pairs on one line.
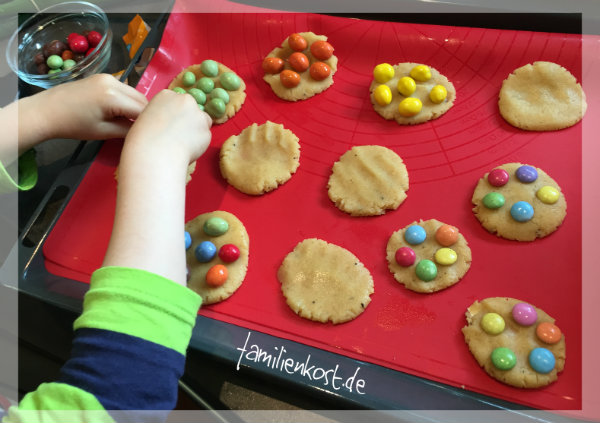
{"points": [[217, 89], [428, 256], [519, 202], [410, 93], [217, 251], [515, 342]]}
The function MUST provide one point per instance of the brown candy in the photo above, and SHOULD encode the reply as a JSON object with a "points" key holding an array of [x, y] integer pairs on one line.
{"points": [[54, 47], [39, 58]]}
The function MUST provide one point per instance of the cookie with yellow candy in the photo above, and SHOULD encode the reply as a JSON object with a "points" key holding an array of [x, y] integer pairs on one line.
{"points": [[410, 93]]}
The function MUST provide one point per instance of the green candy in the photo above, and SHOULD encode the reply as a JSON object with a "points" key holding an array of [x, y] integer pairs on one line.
{"points": [[201, 107], [54, 62], [215, 226], [230, 81], [493, 200], [504, 358], [205, 84], [179, 90], [426, 270], [68, 64], [215, 107], [188, 79], [209, 68], [220, 93], [198, 95]]}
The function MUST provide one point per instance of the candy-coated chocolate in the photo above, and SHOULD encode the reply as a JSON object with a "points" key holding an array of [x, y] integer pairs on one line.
{"points": [[94, 38], [229, 253], [220, 93], [503, 358], [230, 81], [90, 51], [67, 55], [79, 44], [445, 256], [289, 78], [205, 251], [298, 61], [209, 68], [42, 68], [39, 58], [547, 194], [319, 71], [322, 50], [198, 95], [188, 79], [205, 84], [68, 64], [53, 71], [493, 200], [188, 239], [415, 234], [297, 42], [524, 314], [405, 256], [215, 226], [548, 332], [71, 36], [410, 106], [492, 323], [542, 360], [406, 86], [438, 94], [526, 174], [521, 211], [498, 177], [446, 235], [201, 107], [215, 107], [54, 62], [216, 275], [383, 95], [421, 73], [179, 90], [426, 270], [272, 65], [383, 72], [54, 47]]}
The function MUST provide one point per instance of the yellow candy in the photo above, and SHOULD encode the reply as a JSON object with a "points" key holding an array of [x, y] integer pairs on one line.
{"points": [[406, 86], [548, 195], [421, 73], [383, 95], [383, 73], [492, 323], [410, 106], [446, 256], [438, 94]]}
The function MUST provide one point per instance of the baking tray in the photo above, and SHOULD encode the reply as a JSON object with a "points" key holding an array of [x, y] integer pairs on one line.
{"points": [[401, 330]]}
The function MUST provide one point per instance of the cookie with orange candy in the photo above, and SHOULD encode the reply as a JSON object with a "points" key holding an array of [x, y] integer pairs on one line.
{"points": [[302, 67]]}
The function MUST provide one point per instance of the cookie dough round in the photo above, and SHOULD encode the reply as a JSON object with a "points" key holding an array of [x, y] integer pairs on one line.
{"points": [[260, 158], [236, 97], [519, 338], [236, 235], [447, 274], [542, 96], [308, 86], [546, 217], [324, 282], [368, 180], [422, 91]]}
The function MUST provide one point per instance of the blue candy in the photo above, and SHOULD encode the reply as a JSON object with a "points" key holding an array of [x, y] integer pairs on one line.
{"points": [[415, 234], [526, 174], [542, 360], [205, 251], [188, 240], [521, 211]]}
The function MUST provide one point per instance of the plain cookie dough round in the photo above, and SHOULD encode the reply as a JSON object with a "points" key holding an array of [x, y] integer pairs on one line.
{"points": [[324, 282], [542, 96], [237, 236], [260, 158], [546, 218], [368, 180], [430, 109], [447, 275], [236, 98], [520, 339], [307, 87]]}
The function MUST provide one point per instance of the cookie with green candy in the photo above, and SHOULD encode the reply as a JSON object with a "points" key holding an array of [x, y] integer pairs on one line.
{"points": [[218, 90]]}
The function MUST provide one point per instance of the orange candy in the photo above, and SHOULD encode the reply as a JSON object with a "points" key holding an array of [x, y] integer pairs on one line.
{"points": [[297, 42], [298, 61], [548, 333], [289, 78], [322, 50], [319, 71], [446, 235], [272, 65], [216, 275], [66, 55]]}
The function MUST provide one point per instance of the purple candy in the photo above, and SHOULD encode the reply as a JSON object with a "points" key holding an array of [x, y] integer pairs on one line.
{"points": [[524, 314], [526, 174]]}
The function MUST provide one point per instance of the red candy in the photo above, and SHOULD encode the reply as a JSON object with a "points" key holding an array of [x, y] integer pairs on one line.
{"points": [[67, 54], [405, 256], [229, 253], [79, 44], [322, 50], [498, 177], [216, 275], [71, 36], [90, 50], [94, 38], [298, 61]]}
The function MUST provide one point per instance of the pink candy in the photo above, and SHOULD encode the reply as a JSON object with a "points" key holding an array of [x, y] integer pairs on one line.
{"points": [[405, 256], [524, 314], [498, 177]]}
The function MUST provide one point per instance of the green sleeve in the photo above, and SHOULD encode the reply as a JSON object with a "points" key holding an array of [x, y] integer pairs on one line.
{"points": [[27, 174]]}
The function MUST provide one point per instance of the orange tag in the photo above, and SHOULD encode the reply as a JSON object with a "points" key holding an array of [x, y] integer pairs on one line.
{"points": [[137, 30]]}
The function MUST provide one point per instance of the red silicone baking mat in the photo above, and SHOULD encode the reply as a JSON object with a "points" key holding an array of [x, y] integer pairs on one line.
{"points": [[400, 329]]}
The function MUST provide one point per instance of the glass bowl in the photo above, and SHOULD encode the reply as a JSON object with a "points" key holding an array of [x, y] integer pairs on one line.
{"points": [[56, 23]]}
